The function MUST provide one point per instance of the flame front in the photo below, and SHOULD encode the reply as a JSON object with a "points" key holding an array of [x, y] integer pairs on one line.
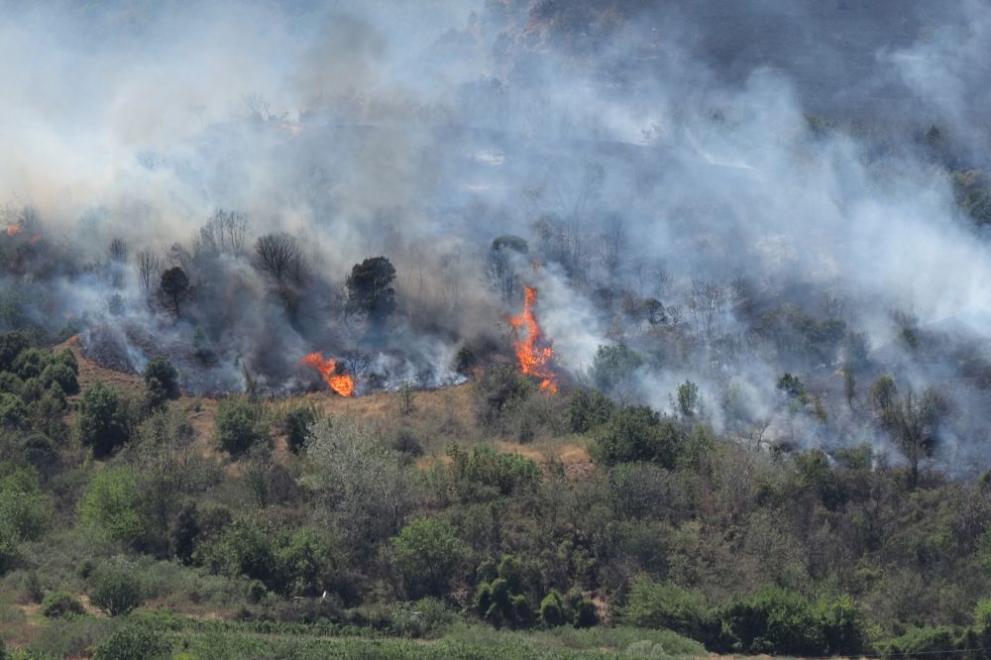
{"points": [[341, 383], [14, 229], [533, 352]]}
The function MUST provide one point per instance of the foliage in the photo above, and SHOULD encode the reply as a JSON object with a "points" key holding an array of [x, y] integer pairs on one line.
{"points": [[370, 289], [427, 555], [133, 642], [637, 433], [482, 473], [161, 382], [613, 365], [115, 505], [240, 425], [116, 590], [60, 604], [104, 421], [665, 605], [588, 409], [296, 424]]}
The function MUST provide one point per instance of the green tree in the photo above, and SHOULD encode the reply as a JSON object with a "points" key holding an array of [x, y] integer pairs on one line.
{"points": [[161, 382], [104, 422], [688, 399], [116, 590], [427, 554], [174, 286], [637, 433], [913, 421], [613, 365], [370, 289], [240, 425], [134, 642], [114, 504]]}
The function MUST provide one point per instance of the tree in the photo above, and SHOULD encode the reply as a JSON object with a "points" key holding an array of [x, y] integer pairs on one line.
{"points": [[175, 286], [613, 365], [104, 422], [370, 289], [637, 433], [240, 425], [114, 504], [224, 232], [116, 590], [161, 382], [913, 421], [280, 256], [427, 555], [505, 254], [148, 267], [688, 399]]}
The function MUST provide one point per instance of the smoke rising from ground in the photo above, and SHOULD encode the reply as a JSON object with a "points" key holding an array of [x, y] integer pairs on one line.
{"points": [[777, 175]]}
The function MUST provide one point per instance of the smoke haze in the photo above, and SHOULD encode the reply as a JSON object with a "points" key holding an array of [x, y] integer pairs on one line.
{"points": [[782, 177]]}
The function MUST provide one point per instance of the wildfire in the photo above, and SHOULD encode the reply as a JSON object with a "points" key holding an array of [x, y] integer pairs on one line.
{"points": [[338, 381], [14, 229], [533, 352]]}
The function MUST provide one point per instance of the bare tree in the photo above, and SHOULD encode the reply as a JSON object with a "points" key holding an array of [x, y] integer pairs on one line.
{"points": [[148, 267], [117, 250], [280, 256], [224, 232]]}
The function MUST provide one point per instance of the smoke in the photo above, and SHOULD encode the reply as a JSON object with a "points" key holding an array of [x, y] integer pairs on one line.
{"points": [[777, 176]]}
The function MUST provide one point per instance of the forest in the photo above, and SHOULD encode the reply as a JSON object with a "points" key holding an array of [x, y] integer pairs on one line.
{"points": [[502, 328]]}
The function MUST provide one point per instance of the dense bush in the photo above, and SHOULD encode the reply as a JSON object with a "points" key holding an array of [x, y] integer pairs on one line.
{"points": [[241, 425], [427, 555], [115, 505], [296, 424], [116, 590], [482, 472], [132, 642], [665, 605], [60, 604], [104, 420], [637, 433], [161, 382]]}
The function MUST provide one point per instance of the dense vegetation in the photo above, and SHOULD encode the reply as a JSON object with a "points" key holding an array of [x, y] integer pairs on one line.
{"points": [[287, 531]]}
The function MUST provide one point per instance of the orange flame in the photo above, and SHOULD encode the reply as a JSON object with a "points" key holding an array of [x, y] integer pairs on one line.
{"points": [[14, 229], [341, 383], [533, 352]]}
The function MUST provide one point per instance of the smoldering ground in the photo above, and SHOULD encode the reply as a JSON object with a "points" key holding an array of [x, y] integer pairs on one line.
{"points": [[730, 192]]}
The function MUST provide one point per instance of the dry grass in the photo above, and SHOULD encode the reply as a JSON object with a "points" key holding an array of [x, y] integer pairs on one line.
{"points": [[437, 419]]}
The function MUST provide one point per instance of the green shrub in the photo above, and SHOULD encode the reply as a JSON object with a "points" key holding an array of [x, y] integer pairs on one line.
{"points": [[133, 642], [924, 642], [552, 609], [427, 554], [297, 425], [784, 622], [161, 382], [104, 421], [637, 433], [30, 363], [11, 346], [483, 472], [115, 504], [116, 590], [13, 413], [63, 375], [584, 614], [614, 365], [588, 409], [241, 425], [665, 605], [60, 604]]}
